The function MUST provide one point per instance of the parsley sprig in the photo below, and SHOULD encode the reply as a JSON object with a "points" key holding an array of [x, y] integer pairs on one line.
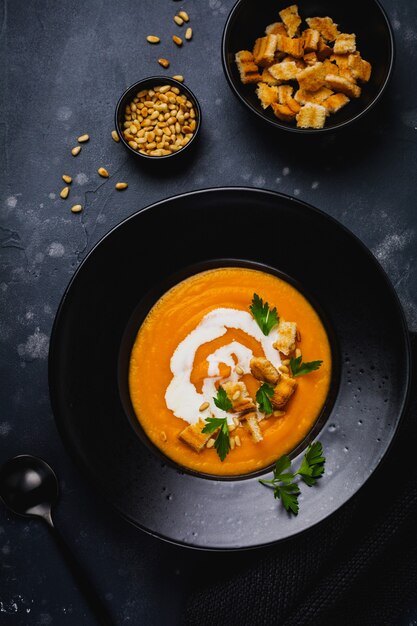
{"points": [[222, 400], [263, 398], [283, 482], [299, 369], [264, 316], [222, 443]]}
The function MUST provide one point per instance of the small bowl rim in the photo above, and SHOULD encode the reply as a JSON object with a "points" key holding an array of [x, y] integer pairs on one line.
{"points": [[162, 80], [308, 131]]}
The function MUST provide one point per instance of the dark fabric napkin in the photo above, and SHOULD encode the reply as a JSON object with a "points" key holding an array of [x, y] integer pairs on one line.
{"points": [[359, 567]]}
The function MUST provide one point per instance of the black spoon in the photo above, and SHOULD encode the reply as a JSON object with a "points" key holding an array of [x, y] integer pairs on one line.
{"points": [[29, 487]]}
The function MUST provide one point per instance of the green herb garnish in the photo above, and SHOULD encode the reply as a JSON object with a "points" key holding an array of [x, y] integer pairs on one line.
{"points": [[222, 400], [263, 398], [299, 369], [285, 487], [264, 316], [222, 443]]}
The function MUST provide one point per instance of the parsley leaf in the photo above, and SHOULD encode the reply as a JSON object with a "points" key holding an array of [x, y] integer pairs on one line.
{"points": [[299, 369], [263, 395], [264, 317], [312, 466], [222, 443], [288, 494], [222, 401]]}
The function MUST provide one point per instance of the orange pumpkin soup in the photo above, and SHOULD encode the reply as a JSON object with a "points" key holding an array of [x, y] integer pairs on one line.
{"points": [[202, 336]]}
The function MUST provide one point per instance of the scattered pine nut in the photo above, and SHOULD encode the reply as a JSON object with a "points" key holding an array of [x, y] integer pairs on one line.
{"points": [[238, 370], [204, 406], [103, 172], [210, 443], [297, 353], [284, 369], [179, 78], [163, 435], [67, 179], [237, 440], [278, 413], [77, 208], [121, 186], [177, 40], [76, 150], [152, 39], [286, 362], [236, 395], [232, 443], [189, 33], [115, 136], [163, 62], [231, 427], [184, 16], [83, 138], [178, 20], [64, 193], [236, 421]]}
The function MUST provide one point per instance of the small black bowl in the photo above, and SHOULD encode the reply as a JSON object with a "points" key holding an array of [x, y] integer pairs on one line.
{"points": [[149, 83], [248, 19]]}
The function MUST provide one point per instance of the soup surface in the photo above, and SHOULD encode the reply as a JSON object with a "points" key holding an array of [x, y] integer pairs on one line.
{"points": [[200, 335]]}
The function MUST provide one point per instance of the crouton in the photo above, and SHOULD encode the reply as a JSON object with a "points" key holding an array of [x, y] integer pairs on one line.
{"points": [[277, 28], [264, 50], [248, 70], [284, 71], [311, 39], [345, 72], [323, 51], [283, 112], [251, 421], [316, 97], [291, 19], [287, 335], [283, 391], [267, 78], [311, 116], [360, 68], [345, 44], [340, 84], [284, 93], [263, 370], [266, 94], [238, 396], [299, 62], [193, 436], [310, 58], [335, 102], [326, 27], [313, 78], [341, 60], [293, 47]]}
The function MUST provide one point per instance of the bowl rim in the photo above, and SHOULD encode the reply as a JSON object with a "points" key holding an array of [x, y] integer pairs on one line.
{"points": [[163, 80], [294, 129]]}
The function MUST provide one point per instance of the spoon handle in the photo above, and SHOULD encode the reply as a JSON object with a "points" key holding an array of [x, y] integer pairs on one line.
{"points": [[82, 579]]}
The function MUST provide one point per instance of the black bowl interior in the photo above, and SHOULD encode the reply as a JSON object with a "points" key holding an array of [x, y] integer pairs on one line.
{"points": [[149, 83], [337, 271], [366, 18]]}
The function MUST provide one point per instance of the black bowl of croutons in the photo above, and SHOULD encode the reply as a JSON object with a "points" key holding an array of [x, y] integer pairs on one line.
{"points": [[308, 68]]}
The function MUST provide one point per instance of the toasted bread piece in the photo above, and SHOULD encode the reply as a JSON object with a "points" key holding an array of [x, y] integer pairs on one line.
{"points": [[277, 28], [326, 27], [346, 73], [284, 93], [341, 60], [248, 70], [291, 19], [251, 421], [293, 47], [335, 102], [266, 94], [340, 84], [287, 335], [267, 78], [311, 39], [263, 370], [313, 77], [312, 116], [283, 391], [241, 402], [310, 58], [293, 105], [194, 437], [287, 70], [316, 97], [283, 112], [345, 43], [299, 62], [264, 50], [323, 51], [360, 68]]}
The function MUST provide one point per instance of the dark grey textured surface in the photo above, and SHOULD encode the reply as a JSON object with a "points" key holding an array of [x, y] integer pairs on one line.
{"points": [[63, 69]]}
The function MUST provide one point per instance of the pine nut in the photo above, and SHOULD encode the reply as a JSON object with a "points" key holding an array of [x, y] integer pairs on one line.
{"points": [[231, 427], [286, 362], [232, 443], [64, 193], [76, 150], [236, 421], [115, 136], [121, 186], [163, 62], [177, 40], [237, 440], [83, 138], [204, 406], [186, 129], [284, 369], [77, 208], [238, 370], [297, 353], [236, 395], [178, 20], [278, 413], [210, 443], [164, 88], [133, 144], [189, 34], [103, 172], [152, 39], [179, 78], [184, 16]]}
